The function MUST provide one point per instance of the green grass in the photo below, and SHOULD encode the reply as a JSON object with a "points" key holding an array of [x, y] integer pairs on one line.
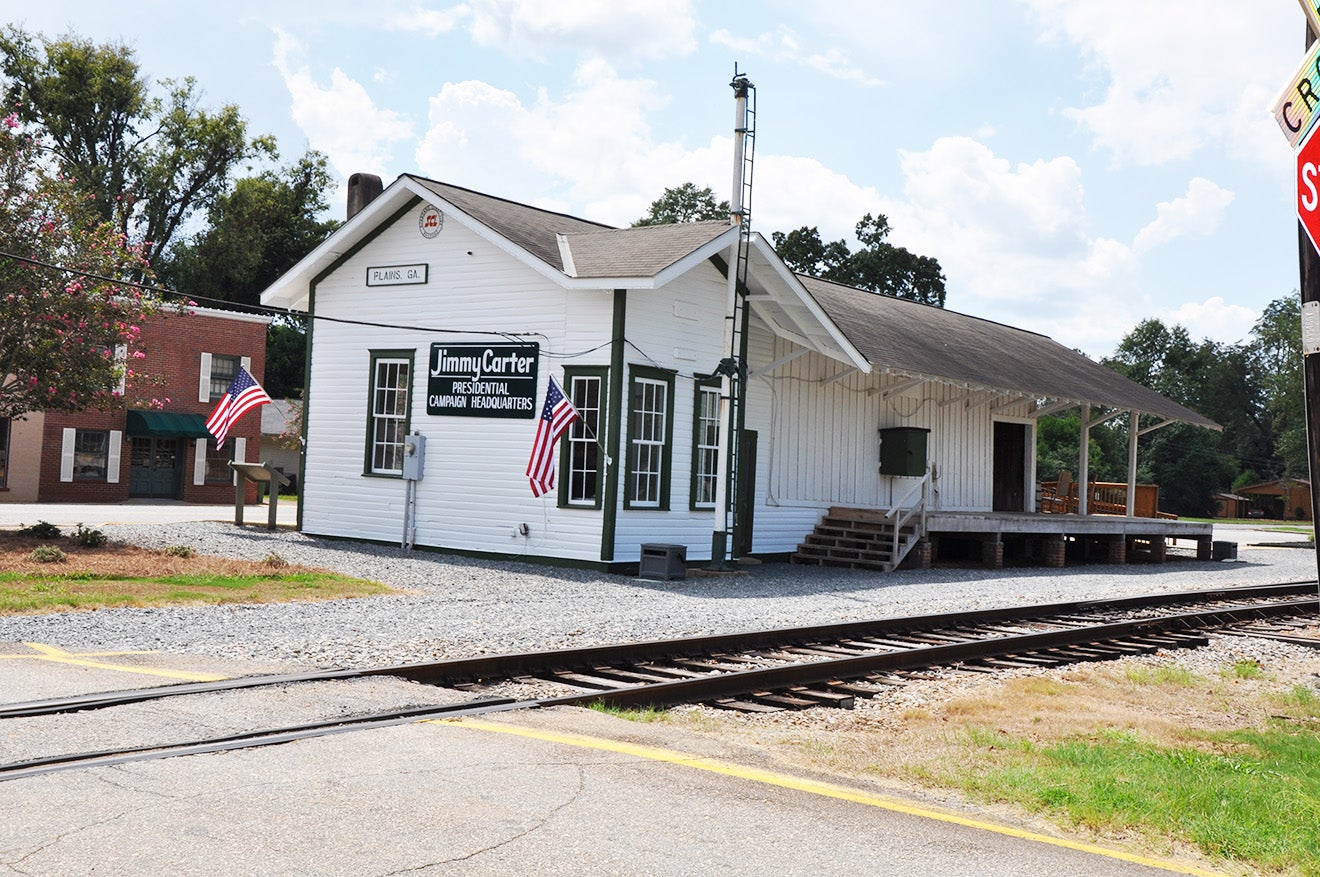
{"points": [[649, 714], [24, 593], [1251, 796]]}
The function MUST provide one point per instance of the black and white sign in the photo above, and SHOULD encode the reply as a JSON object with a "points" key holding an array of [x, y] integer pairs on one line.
{"points": [[482, 380], [398, 275]]}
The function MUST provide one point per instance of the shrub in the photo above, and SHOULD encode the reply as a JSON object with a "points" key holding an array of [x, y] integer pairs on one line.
{"points": [[41, 530], [47, 554], [87, 538], [275, 561], [179, 551]]}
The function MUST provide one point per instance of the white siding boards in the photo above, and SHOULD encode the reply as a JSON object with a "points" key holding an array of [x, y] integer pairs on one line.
{"points": [[638, 316]]}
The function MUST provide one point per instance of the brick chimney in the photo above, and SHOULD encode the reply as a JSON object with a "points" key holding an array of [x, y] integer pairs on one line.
{"points": [[362, 190]]}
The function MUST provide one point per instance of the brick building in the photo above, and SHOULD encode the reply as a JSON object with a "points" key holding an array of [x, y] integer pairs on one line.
{"points": [[144, 451]]}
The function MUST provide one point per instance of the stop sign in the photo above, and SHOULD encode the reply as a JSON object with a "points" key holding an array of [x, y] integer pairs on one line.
{"points": [[1308, 187]]}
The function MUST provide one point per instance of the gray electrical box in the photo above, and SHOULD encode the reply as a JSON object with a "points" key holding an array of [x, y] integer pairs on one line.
{"points": [[662, 562], [903, 451], [414, 456]]}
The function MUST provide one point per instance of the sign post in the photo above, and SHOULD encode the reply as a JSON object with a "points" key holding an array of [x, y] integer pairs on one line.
{"points": [[1308, 258]]}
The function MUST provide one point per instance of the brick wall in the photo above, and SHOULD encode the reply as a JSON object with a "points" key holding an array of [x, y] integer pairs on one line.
{"points": [[172, 345]]}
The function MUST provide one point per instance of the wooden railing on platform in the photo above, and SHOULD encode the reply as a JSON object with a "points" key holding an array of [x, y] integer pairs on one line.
{"points": [[1103, 498]]}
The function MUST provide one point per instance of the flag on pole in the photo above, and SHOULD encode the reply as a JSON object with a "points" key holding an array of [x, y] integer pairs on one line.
{"points": [[556, 415], [244, 395]]}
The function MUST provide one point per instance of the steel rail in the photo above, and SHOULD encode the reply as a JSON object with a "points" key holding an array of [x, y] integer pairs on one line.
{"points": [[708, 688], [464, 670], [823, 671]]}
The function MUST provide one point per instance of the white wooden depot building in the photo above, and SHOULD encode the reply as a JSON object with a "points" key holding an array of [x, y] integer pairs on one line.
{"points": [[442, 312]]}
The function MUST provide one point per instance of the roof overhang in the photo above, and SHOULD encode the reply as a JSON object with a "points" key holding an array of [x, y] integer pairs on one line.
{"points": [[778, 298]]}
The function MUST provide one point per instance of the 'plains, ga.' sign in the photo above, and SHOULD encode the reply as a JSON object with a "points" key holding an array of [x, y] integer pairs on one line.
{"points": [[482, 380]]}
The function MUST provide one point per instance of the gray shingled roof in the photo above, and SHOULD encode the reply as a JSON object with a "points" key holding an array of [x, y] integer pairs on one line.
{"points": [[531, 228], [638, 252], [908, 337]]}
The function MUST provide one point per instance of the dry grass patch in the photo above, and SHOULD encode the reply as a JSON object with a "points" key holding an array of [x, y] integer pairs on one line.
{"points": [[115, 574]]}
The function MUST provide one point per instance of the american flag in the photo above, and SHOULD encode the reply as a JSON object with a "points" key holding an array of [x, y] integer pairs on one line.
{"points": [[556, 415], [244, 395]]}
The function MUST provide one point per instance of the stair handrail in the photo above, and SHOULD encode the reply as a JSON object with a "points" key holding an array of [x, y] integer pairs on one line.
{"points": [[900, 514]]}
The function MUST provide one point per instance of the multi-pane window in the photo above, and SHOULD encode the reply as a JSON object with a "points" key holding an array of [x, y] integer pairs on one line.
{"points": [[388, 422], [705, 446], [223, 370], [4, 451], [648, 439], [582, 443], [217, 462], [91, 455]]}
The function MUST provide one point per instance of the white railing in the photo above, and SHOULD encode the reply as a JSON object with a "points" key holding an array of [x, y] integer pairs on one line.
{"points": [[901, 514]]}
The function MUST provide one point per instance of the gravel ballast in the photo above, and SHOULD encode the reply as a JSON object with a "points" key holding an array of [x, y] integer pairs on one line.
{"points": [[456, 606]]}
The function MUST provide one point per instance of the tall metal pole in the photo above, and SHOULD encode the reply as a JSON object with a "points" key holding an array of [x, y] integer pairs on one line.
{"points": [[1309, 268], [719, 539]]}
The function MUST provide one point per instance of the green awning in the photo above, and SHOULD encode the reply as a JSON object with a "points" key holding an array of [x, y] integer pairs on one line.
{"points": [[166, 424]]}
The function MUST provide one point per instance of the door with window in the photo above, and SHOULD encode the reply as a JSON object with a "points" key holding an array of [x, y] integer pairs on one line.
{"points": [[156, 468]]}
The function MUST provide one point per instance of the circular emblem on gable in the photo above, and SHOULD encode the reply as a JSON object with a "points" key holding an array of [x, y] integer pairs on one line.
{"points": [[430, 221]]}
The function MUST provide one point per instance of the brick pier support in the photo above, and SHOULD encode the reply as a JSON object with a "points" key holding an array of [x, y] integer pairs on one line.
{"points": [[992, 554], [1053, 551]]}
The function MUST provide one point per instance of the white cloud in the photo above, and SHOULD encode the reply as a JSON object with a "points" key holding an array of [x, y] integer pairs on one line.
{"points": [[432, 22], [1179, 75], [615, 29], [1213, 318], [782, 46], [1197, 213], [592, 148], [340, 120]]}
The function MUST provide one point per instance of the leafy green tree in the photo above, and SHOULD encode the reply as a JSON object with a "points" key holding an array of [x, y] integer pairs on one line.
{"points": [[685, 203], [1278, 350], [1187, 462], [878, 266], [254, 233], [148, 161], [66, 340], [1058, 443]]}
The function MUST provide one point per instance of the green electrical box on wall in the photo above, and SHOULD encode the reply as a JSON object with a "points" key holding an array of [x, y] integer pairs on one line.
{"points": [[903, 451]]}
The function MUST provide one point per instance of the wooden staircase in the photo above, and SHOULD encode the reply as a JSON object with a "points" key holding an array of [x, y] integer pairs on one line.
{"points": [[859, 539]]}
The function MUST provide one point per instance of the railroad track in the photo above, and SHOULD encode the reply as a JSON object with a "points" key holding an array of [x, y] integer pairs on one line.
{"points": [[794, 668]]}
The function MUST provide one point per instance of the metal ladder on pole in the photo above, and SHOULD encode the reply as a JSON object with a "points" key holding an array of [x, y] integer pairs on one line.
{"points": [[738, 380]]}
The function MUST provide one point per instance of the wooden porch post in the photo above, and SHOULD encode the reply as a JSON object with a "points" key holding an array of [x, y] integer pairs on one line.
{"points": [[1132, 463], [1084, 460]]}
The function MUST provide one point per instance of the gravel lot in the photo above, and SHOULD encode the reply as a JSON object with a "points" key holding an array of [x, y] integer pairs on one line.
{"points": [[456, 606]]}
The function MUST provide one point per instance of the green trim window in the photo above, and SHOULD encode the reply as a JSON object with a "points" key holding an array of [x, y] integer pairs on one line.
{"points": [[581, 459], [389, 410], [91, 454], [705, 442], [650, 438], [223, 370]]}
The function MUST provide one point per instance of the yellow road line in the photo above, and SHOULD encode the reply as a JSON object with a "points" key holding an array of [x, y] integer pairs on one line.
{"points": [[59, 656], [815, 787]]}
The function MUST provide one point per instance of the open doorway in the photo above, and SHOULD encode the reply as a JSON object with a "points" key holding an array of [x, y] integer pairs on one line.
{"points": [[1010, 467]]}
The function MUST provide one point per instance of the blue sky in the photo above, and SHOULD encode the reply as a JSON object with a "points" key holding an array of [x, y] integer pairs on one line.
{"points": [[1075, 166]]}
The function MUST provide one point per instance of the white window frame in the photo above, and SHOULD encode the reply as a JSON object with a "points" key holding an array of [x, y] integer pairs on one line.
{"points": [[705, 445], [650, 439], [583, 458], [389, 411]]}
